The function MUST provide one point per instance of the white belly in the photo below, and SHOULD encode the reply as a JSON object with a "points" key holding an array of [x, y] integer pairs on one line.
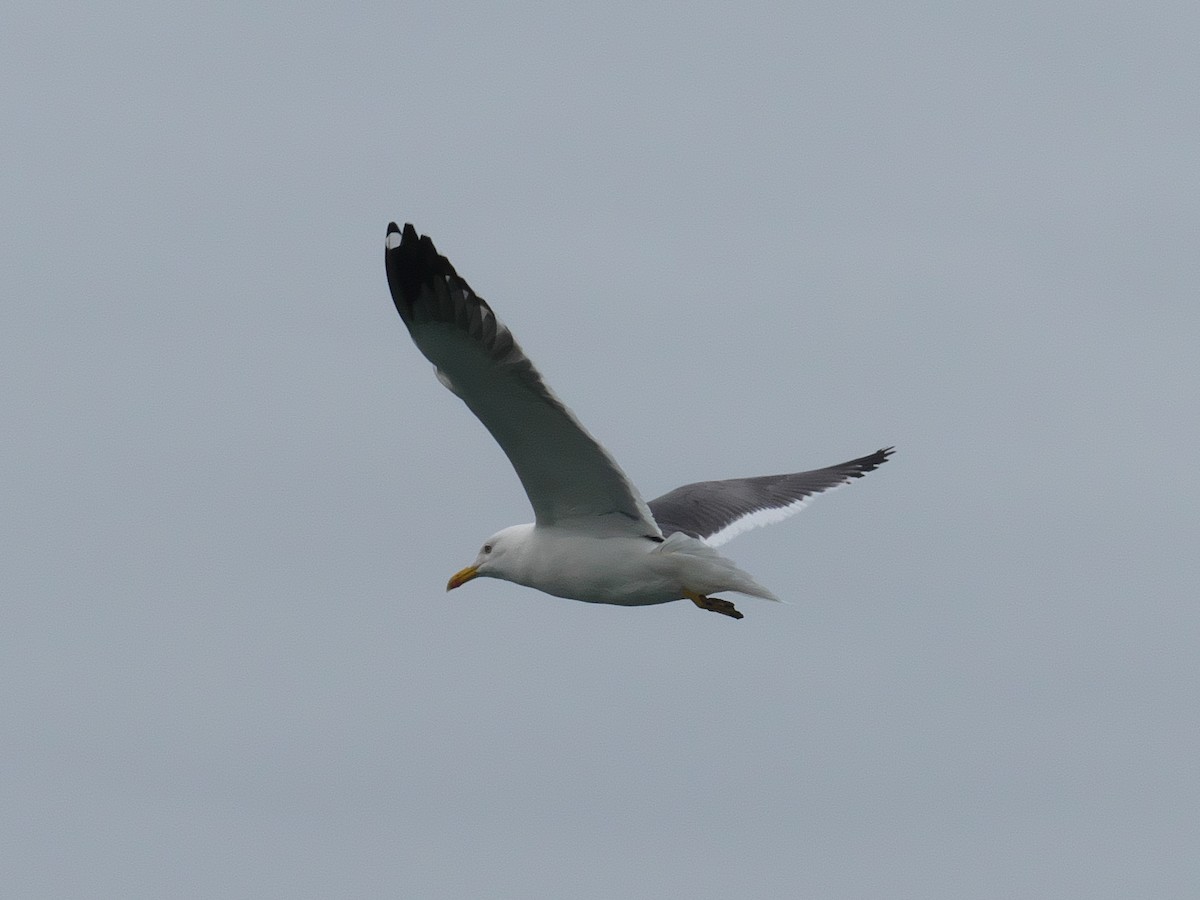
{"points": [[627, 570], [619, 570]]}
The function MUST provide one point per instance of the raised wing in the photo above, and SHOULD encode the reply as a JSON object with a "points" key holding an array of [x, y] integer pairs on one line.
{"points": [[716, 511], [565, 472]]}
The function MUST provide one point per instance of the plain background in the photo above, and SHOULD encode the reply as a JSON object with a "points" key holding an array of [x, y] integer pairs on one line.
{"points": [[737, 239]]}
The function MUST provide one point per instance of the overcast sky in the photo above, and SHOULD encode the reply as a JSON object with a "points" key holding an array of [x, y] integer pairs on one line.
{"points": [[737, 239]]}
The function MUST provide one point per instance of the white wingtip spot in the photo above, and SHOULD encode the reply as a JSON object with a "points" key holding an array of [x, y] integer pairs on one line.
{"points": [[393, 240]]}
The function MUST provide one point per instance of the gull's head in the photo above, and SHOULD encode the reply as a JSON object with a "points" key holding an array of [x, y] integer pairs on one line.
{"points": [[498, 557]]}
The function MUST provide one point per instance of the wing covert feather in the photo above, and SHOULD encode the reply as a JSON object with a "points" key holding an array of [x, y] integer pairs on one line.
{"points": [[566, 473]]}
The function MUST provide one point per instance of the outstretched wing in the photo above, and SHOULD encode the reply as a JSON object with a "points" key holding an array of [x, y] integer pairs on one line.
{"points": [[716, 511], [565, 472]]}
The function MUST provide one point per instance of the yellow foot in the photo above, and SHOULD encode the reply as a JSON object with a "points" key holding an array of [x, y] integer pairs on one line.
{"points": [[714, 604]]}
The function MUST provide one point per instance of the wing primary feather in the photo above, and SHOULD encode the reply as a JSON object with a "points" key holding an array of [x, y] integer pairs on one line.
{"points": [[716, 511], [567, 474]]}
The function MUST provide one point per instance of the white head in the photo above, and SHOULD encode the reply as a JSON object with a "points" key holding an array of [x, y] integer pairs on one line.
{"points": [[500, 557]]}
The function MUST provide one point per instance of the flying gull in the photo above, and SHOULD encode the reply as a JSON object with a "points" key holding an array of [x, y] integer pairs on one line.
{"points": [[593, 537]]}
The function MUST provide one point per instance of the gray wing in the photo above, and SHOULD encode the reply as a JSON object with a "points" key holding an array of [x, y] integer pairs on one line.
{"points": [[716, 511], [565, 472]]}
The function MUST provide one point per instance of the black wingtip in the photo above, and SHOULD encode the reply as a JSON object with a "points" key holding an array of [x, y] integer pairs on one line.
{"points": [[873, 461], [411, 260], [857, 468], [396, 238]]}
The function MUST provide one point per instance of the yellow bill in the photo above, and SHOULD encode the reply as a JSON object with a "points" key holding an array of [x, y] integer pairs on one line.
{"points": [[458, 579]]}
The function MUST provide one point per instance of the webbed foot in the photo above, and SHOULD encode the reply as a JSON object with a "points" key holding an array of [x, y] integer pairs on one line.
{"points": [[714, 604]]}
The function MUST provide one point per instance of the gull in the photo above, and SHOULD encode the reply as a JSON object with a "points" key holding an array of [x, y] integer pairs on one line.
{"points": [[593, 537]]}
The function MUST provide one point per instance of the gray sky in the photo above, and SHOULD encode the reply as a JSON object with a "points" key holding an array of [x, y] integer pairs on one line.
{"points": [[737, 239]]}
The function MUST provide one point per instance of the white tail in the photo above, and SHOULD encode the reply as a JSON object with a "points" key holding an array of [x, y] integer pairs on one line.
{"points": [[706, 571]]}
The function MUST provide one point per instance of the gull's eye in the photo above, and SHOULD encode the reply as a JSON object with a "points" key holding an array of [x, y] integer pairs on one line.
{"points": [[487, 548]]}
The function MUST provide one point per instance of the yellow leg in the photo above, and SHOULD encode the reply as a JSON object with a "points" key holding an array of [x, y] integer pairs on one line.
{"points": [[713, 604]]}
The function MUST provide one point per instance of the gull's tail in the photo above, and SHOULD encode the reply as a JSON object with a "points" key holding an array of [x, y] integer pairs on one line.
{"points": [[705, 571]]}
